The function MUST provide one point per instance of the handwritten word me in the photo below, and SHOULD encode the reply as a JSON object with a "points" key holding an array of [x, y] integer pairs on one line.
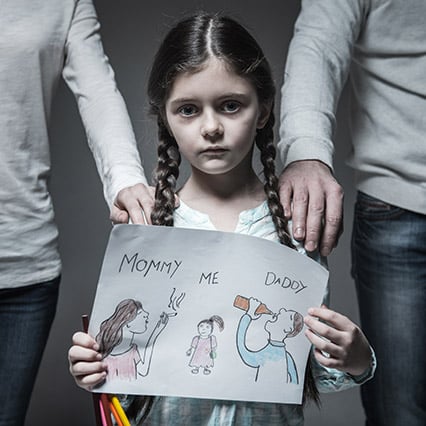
{"points": [[210, 278], [284, 282], [146, 266]]}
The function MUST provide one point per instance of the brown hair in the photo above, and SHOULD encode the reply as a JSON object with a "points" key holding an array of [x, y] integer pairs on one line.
{"points": [[186, 48]]}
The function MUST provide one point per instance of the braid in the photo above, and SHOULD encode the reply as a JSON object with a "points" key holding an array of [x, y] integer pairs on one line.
{"points": [[265, 143], [165, 177]]}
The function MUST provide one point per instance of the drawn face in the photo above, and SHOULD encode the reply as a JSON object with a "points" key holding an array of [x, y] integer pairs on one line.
{"points": [[280, 325], [139, 324], [205, 329], [213, 114]]}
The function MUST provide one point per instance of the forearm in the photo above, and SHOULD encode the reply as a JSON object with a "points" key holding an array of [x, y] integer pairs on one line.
{"points": [[316, 70], [250, 358], [333, 380], [105, 118]]}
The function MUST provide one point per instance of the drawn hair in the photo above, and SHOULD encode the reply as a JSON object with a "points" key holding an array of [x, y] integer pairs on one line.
{"points": [[214, 319], [111, 330], [186, 48], [297, 323]]}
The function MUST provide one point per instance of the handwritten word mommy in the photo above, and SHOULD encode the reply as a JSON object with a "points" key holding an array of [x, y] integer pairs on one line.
{"points": [[285, 282], [137, 263]]}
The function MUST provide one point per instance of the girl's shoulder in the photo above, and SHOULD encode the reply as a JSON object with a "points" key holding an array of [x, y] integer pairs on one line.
{"points": [[256, 222]]}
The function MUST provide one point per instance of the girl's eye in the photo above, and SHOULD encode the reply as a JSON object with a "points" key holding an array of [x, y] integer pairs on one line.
{"points": [[231, 106], [187, 110]]}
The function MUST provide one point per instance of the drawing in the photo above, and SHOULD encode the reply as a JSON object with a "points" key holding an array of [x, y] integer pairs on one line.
{"points": [[282, 325], [116, 339], [204, 345], [175, 301]]}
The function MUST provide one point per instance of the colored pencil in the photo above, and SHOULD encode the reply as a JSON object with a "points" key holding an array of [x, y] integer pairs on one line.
{"points": [[120, 411], [107, 411], [115, 414], [102, 414]]}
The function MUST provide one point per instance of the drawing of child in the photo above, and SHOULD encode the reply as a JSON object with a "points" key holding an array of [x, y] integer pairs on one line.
{"points": [[203, 346]]}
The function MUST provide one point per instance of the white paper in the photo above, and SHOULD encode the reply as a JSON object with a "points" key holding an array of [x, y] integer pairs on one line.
{"points": [[173, 279]]}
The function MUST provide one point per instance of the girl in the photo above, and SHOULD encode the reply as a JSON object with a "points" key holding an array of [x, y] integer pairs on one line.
{"points": [[203, 346], [212, 93]]}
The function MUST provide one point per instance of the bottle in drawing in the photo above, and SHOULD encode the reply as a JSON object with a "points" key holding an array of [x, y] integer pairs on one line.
{"points": [[242, 302]]}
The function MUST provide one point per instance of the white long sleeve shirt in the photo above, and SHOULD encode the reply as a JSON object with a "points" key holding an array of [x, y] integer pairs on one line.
{"points": [[381, 45], [39, 41]]}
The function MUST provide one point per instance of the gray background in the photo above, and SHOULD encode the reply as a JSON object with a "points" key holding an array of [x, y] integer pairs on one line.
{"points": [[131, 31]]}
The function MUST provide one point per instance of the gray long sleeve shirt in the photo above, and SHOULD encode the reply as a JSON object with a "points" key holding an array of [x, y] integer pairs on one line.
{"points": [[381, 45], [39, 41]]}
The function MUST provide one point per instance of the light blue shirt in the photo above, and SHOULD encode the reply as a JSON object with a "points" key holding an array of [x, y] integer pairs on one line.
{"points": [[274, 352]]}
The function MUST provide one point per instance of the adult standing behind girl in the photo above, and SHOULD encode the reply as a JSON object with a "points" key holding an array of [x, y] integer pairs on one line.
{"points": [[39, 41], [212, 93]]}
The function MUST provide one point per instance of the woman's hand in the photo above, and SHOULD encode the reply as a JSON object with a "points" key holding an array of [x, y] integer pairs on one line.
{"points": [[338, 342], [85, 362]]}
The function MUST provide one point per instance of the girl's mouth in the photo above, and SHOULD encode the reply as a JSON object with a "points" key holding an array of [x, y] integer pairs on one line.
{"points": [[214, 150]]}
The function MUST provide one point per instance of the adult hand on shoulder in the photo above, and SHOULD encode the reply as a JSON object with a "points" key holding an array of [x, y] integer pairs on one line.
{"points": [[313, 199], [135, 202]]}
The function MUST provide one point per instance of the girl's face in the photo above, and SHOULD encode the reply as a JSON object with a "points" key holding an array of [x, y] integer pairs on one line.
{"points": [[139, 324], [213, 114], [205, 329]]}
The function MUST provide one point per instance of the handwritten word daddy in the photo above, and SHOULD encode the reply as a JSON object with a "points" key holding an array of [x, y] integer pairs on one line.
{"points": [[136, 263], [285, 282]]}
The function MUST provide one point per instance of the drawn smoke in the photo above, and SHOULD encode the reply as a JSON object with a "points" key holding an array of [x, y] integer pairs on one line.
{"points": [[174, 302]]}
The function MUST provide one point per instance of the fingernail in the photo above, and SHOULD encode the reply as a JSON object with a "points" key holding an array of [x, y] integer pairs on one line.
{"points": [[298, 232], [310, 246], [325, 251]]}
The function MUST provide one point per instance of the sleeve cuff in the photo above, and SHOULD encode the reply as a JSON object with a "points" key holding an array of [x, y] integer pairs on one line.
{"points": [[368, 373]]}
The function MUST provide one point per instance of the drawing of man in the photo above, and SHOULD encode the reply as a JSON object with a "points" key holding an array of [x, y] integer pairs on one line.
{"points": [[273, 359]]}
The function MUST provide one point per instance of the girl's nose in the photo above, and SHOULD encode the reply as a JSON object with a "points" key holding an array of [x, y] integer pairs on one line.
{"points": [[211, 126]]}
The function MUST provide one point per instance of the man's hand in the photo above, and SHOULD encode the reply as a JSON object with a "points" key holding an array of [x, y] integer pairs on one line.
{"points": [[135, 202], [313, 199]]}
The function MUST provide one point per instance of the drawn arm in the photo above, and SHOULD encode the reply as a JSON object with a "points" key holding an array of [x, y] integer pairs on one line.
{"points": [[149, 348], [292, 376], [252, 359], [194, 344]]}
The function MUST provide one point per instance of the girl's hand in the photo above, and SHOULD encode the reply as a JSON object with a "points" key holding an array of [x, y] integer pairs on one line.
{"points": [[85, 362], [344, 342]]}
